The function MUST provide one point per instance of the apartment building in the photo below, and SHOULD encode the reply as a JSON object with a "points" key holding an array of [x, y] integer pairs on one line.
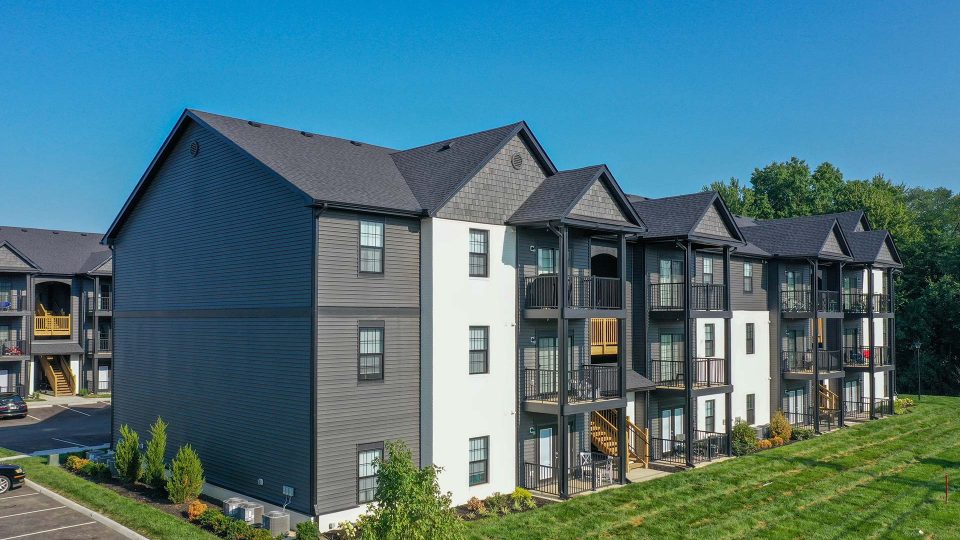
{"points": [[56, 331], [290, 301]]}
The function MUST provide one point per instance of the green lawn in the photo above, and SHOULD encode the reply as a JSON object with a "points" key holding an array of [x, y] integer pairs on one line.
{"points": [[881, 479], [144, 519]]}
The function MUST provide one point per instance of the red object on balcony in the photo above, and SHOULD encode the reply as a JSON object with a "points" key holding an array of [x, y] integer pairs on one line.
{"points": [[866, 353]]}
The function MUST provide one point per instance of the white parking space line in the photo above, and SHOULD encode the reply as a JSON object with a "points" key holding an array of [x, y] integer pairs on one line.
{"points": [[74, 410], [16, 496], [32, 512], [48, 530], [66, 441], [32, 416]]}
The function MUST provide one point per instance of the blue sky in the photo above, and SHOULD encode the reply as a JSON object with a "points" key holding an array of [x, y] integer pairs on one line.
{"points": [[670, 97]]}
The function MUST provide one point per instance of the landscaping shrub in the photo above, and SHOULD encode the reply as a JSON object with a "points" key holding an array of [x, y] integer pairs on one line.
{"points": [[780, 427], [195, 510], [409, 504], [522, 499], [83, 392], [96, 471], [308, 530], [900, 405], [744, 439], [776, 441], [128, 457], [213, 520], [498, 503], [186, 479], [802, 434], [76, 464], [476, 507], [349, 530], [763, 444], [155, 475]]}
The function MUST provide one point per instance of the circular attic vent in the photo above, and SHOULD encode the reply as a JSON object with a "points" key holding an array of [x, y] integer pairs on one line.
{"points": [[194, 148], [517, 161]]}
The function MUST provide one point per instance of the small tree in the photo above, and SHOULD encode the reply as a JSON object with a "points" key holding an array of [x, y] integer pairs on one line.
{"points": [[744, 439], [156, 449], [128, 457], [780, 426], [409, 504], [186, 477]]}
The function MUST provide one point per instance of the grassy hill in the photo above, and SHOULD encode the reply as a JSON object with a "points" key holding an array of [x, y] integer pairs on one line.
{"points": [[881, 479]]}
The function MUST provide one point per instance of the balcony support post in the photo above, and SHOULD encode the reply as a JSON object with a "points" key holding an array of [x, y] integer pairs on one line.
{"points": [[563, 363], [622, 358], [96, 335], [689, 266], [870, 337], [815, 291], [727, 346], [839, 324], [891, 338]]}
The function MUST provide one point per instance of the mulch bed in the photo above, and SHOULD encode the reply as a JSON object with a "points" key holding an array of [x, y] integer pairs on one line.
{"points": [[156, 498]]}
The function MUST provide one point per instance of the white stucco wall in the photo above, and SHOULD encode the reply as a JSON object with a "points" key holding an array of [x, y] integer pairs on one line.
{"points": [[720, 412], [455, 405], [750, 373]]}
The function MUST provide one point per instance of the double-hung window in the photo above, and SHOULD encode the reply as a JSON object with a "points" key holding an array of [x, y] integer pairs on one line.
{"points": [[479, 253], [710, 418], [751, 338], [367, 471], [479, 349], [479, 460], [370, 360], [709, 340], [708, 270], [747, 277], [371, 247], [751, 409]]}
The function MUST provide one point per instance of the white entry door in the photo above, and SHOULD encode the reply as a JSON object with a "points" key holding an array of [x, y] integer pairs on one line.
{"points": [[545, 459], [103, 377]]}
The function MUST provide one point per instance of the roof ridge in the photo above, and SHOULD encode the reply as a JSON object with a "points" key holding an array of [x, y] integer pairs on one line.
{"points": [[448, 139], [58, 231]]}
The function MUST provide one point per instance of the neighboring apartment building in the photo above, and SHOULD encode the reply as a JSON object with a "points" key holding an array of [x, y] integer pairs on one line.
{"points": [[56, 330], [289, 301]]}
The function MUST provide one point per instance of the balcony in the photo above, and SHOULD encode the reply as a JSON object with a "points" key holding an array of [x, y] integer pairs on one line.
{"points": [[668, 297], [103, 343], [859, 357], [52, 325], [588, 383], [101, 302], [855, 303], [801, 362], [604, 336], [882, 304], [707, 446], [796, 301], [12, 302], [583, 292], [707, 372], [828, 301], [13, 348]]}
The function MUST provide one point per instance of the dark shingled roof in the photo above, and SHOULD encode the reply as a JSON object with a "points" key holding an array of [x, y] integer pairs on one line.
{"points": [[55, 252], [847, 220], [791, 237], [556, 195], [672, 216], [325, 168], [636, 381], [866, 245]]}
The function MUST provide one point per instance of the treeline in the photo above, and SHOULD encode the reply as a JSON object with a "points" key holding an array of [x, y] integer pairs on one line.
{"points": [[926, 227]]}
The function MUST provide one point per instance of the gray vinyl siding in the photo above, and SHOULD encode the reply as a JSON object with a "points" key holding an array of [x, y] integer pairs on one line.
{"points": [[744, 301], [498, 190], [598, 203], [717, 259], [832, 245], [712, 224], [655, 254], [9, 259], [803, 271], [885, 255], [352, 412], [212, 281]]}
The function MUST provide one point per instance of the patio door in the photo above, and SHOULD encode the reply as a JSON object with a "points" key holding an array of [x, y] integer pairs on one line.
{"points": [[851, 394], [671, 272], [671, 356], [547, 364], [103, 378], [671, 427], [545, 453], [794, 404]]}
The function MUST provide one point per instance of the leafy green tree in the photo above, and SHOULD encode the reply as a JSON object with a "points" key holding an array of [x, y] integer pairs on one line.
{"points": [[409, 504], [186, 476], [782, 189], [128, 457], [156, 450], [739, 198], [826, 184]]}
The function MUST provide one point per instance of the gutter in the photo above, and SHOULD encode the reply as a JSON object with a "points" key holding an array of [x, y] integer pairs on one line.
{"points": [[323, 205]]}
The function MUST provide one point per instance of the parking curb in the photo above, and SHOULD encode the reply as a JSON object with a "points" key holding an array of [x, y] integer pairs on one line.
{"points": [[105, 521]]}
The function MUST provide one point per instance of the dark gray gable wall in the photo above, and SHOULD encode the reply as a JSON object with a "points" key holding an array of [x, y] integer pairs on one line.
{"points": [[741, 300], [711, 224], [9, 259], [597, 202], [352, 412], [832, 245], [498, 190], [885, 255], [212, 318]]}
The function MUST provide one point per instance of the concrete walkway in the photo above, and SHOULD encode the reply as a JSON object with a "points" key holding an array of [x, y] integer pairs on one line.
{"points": [[64, 401], [637, 476]]}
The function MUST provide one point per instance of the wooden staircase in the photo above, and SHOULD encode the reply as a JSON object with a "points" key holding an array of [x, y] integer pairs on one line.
{"points": [[604, 435], [829, 400], [59, 375]]}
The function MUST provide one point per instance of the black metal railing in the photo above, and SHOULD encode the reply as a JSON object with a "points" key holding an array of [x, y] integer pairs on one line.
{"points": [[542, 478], [592, 470], [828, 301], [104, 344], [709, 297], [709, 372], [667, 373], [797, 361], [854, 302], [860, 356], [18, 389], [666, 296], [795, 300], [13, 347], [12, 301], [798, 418], [667, 451], [590, 382], [829, 361], [856, 409], [881, 303], [583, 292], [706, 372], [105, 302], [708, 445]]}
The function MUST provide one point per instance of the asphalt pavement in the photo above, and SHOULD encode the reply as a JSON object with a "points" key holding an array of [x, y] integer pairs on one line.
{"points": [[50, 428]]}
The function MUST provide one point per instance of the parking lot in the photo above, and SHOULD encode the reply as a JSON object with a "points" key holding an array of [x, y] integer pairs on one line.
{"points": [[52, 427], [25, 513]]}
